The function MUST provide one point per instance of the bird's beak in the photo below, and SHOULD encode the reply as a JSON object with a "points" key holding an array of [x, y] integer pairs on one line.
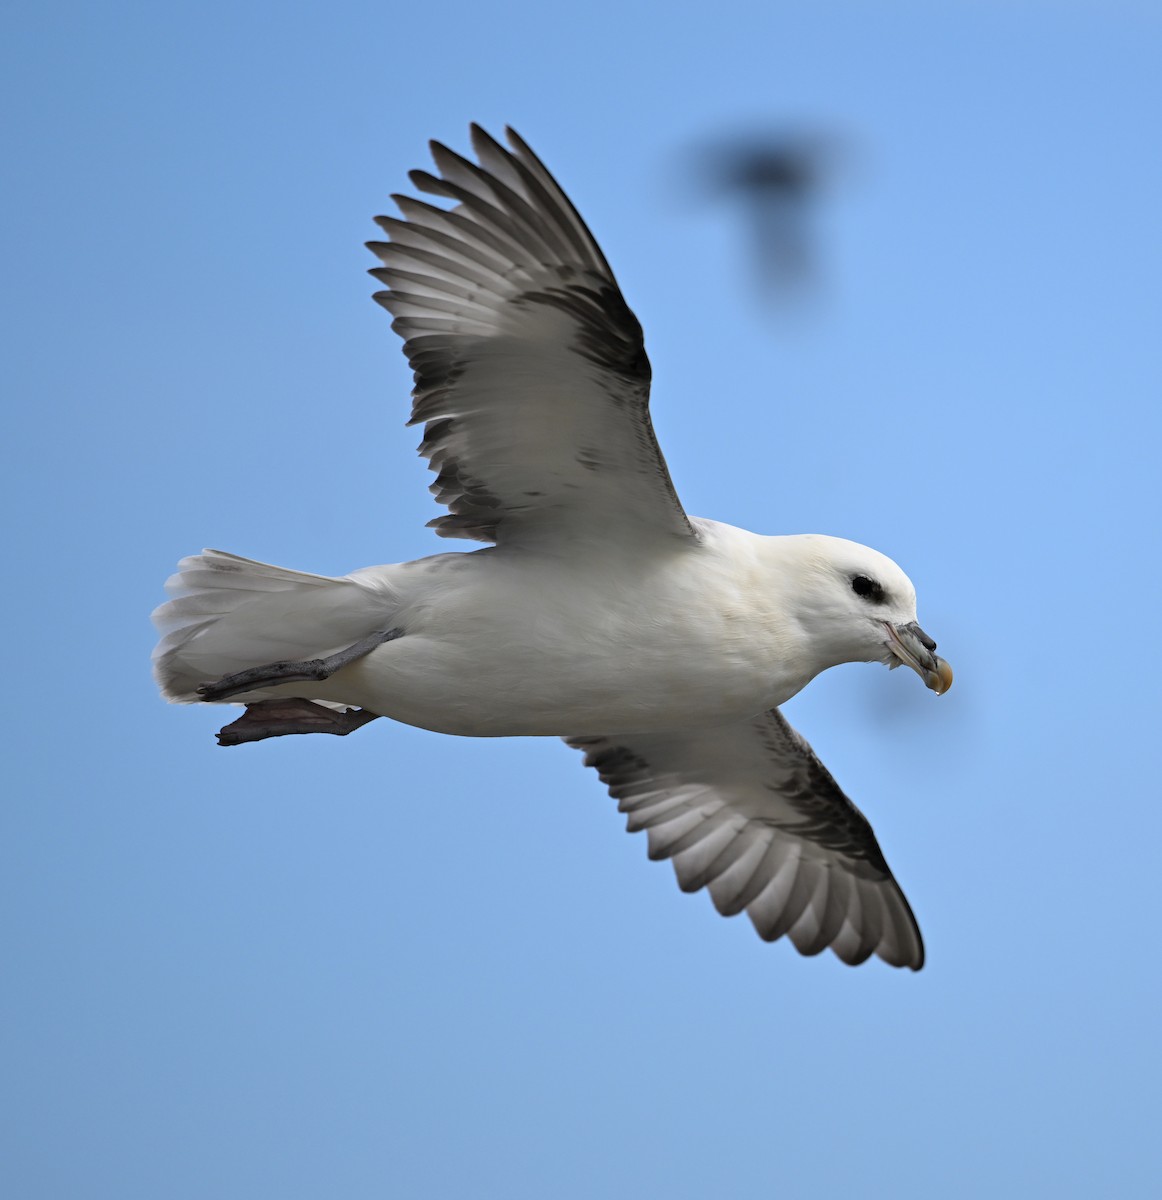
{"points": [[913, 647]]}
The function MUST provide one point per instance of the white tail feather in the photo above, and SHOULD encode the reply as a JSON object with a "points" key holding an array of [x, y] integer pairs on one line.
{"points": [[227, 613]]}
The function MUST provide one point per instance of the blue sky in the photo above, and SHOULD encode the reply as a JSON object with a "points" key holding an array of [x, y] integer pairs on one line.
{"points": [[403, 965]]}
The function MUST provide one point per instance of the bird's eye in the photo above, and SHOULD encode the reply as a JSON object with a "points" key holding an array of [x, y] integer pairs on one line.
{"points": [[861, 585]]}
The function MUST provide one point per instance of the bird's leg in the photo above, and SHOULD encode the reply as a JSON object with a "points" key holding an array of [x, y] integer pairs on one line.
{"points": [[276, 718], [311, 670]]}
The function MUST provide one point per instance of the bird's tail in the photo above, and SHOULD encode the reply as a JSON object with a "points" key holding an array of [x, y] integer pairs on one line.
{"points": [[227, 613]]}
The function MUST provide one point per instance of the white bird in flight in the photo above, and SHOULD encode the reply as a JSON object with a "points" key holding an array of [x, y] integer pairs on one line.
{"points": [[657, 643]]}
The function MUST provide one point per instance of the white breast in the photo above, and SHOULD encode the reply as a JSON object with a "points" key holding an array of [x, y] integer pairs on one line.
{"points": [[511, 644]]}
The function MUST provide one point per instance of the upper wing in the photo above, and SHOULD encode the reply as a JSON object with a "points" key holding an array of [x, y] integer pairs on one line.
{"points": [[531, 374], [749, 812]]}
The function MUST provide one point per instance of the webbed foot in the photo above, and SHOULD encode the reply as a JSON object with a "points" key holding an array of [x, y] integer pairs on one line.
{"points": [[276, 718]]}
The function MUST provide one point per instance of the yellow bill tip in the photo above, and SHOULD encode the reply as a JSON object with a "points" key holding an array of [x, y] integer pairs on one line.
{"points": [[940, 680]]}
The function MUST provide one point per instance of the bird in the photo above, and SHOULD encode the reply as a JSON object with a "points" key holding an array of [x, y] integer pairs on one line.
{"points": [[658, 644], [777, 176]]}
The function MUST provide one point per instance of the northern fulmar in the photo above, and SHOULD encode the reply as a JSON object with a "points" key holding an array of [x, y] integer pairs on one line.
{"points": [[659, 644]]}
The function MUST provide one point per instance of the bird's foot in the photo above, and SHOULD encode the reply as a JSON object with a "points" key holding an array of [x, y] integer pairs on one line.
{"points": [[276, 718], [310, 670]]}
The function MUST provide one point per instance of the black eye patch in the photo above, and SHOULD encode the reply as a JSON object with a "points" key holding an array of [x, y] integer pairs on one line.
{"points": [[869, 589]]}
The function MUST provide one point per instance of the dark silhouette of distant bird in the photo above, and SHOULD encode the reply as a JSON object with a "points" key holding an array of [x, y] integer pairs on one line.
{"points": [[778, 178]]}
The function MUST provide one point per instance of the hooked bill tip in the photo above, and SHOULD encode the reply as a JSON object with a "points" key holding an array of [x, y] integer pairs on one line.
{"points": [[940, 680]]}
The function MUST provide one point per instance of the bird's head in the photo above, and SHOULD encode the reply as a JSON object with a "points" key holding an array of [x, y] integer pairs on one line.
{"points": [[856, 605]]}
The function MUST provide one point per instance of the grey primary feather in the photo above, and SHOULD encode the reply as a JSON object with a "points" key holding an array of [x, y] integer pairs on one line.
{"points": [[750, 813], [532, 380]]}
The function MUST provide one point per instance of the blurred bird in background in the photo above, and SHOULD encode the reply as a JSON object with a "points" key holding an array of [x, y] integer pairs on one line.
{"points": [[777, 178]]}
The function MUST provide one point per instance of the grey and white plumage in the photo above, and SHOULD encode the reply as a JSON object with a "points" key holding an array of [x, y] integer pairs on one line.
{"points": [[748, 812], [599, 605], [507, 288]]}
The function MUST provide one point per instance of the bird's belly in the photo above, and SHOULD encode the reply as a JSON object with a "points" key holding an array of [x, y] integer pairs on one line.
{"points": [[509, 683]]}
